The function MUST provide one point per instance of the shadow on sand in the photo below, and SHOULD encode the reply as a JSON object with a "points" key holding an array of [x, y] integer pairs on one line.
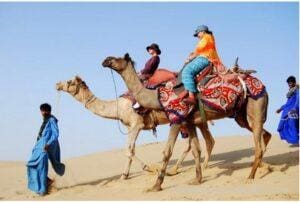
{"points": [[224, 161], [227, 161], [102, 181]]}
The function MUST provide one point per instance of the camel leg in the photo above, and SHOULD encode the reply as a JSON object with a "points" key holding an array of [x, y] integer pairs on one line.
{"points": [[167, 153], [256, 117], [242, 122], [209, 142], [130, 151], [197, 155], [266, 136], [257, 128], [174, 169]]}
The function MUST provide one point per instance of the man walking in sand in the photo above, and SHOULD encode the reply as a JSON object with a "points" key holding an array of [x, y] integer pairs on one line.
{"points": [[47, 146], [288, 127]]}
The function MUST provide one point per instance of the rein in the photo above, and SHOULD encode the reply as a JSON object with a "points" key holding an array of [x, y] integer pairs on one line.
{"points": [[90, 100], [116, 95]]}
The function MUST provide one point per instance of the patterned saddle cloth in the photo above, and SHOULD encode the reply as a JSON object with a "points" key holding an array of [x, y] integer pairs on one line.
{"points": [[217, 93], [223, 95]]}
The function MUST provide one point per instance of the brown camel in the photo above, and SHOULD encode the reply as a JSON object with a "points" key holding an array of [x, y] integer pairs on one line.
{"points": [[134, 122], [251, 115]]}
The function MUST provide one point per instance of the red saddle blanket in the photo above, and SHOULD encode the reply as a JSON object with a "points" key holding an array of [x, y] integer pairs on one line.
{"points": [[175, 108], [216, 93], [222, 95]]}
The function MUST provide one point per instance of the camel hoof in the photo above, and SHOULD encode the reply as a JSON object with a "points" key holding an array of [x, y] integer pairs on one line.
{"points": [[155, 188], [249, 181], [195, 181], [172, 171], [124, 177]]}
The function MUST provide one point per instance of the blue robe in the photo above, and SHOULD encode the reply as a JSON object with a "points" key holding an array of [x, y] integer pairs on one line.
{"points": [[37, 166], [288, 127]]}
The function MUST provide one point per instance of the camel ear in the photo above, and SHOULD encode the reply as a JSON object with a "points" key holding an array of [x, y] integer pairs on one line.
{"points": [[78, 79], [127, 57]]}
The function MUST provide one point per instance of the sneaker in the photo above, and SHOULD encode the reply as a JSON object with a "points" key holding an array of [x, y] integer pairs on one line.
{"points": [[136, 105]]}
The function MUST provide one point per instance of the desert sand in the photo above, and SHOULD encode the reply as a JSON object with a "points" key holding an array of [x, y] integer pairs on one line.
{"points": [[96, 176]]}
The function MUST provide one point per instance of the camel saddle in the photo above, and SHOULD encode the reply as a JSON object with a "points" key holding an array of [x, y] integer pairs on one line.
{"points": [[219, 91]]}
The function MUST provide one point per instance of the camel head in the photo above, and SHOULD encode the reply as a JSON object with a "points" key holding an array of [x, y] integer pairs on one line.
{"points": [[72, 86], [118, 64]]}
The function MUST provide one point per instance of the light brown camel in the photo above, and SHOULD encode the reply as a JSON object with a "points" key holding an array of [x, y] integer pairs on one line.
{"points": [[125, 113], [252, 116]]}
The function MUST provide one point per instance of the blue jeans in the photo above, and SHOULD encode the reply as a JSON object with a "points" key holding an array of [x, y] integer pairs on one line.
{"points": [[190, 71]]}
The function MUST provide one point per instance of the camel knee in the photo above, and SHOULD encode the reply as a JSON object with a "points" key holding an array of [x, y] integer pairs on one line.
{"points": [[258, 153], [130, 153], [196, 153], [166, 155], [213, 142]]}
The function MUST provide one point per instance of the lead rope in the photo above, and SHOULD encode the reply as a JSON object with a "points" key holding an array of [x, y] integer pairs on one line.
{"points": [[58, 95], [116, 95], [57, 112], [154, 131]]}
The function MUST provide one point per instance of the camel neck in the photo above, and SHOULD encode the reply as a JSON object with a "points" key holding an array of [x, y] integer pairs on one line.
{"points": [[147, 98], [105, 109]]}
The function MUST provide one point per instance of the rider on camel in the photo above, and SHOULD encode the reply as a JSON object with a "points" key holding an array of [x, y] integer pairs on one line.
{"points": [[150, 66], [204, 54]]}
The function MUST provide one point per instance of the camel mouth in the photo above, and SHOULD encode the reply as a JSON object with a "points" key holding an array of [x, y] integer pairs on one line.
{"points": [[107, 62]]}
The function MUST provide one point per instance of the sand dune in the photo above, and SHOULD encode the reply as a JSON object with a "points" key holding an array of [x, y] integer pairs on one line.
{"points": [[96, 176]]}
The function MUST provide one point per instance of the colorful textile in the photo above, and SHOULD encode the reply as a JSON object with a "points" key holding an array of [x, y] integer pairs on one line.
{"points": [[288, 127], [254, 86], [206, 47], [190, 71], [224, 96], [37, 166], [175, 108]]}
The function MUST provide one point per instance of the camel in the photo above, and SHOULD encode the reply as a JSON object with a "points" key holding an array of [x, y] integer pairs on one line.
{"points": [[252, 115], [133, 121]]}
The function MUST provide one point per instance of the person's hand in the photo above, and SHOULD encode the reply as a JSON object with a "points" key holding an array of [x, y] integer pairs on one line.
{"points": [[278, 110], [293, 111], [46, 148]]}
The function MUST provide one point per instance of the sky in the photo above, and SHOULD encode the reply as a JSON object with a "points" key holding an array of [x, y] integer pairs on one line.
{"points": [[43, 43]]}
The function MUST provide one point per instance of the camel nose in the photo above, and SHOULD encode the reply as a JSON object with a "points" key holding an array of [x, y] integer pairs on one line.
{"points": [[107, 62], [58, 86]]}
